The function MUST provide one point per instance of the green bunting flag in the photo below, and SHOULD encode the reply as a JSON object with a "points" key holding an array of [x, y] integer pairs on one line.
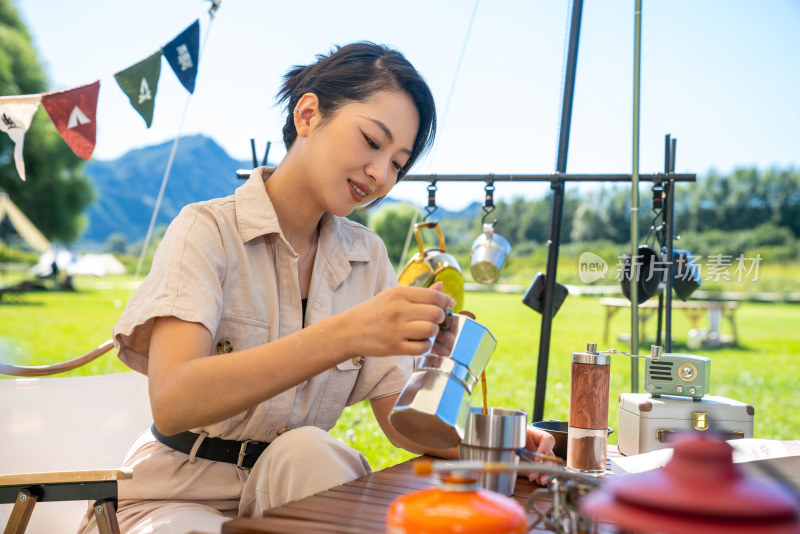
{"points": [[140, 83]]}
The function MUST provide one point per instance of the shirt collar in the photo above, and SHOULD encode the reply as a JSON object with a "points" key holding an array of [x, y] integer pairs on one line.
{"points": [[255, 214], [255, 217]]}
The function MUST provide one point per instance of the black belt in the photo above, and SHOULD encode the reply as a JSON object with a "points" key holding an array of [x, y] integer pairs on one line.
{"points": [[240, 453]]}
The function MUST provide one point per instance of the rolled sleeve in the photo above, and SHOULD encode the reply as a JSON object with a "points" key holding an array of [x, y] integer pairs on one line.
{"points": [[185, 282]]}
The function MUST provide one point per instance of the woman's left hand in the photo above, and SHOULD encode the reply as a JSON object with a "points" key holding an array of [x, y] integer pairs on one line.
{"points": [[542, 442]]}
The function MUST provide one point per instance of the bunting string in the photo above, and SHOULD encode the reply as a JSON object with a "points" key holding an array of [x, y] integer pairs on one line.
{"points": [[74, 111], [194, 33]]}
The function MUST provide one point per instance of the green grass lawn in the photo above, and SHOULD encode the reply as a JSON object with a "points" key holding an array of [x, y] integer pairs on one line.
{"points": [[46, 327]]}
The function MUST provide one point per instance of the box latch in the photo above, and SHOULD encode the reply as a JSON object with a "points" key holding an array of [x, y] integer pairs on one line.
{"points": [[700, 421]]}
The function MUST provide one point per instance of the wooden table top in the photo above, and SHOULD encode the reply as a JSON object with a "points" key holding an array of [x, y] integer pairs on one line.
{"points": [[357, 507]]}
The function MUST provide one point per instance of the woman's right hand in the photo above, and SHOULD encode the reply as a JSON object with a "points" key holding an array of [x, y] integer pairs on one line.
{"points": [[397, 321]]}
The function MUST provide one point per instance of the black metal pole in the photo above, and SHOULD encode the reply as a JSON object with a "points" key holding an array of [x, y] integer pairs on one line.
{"points": [[663, 251], [244, 174], [557, 203], [669, 211], [266, 153], [253, 151]]}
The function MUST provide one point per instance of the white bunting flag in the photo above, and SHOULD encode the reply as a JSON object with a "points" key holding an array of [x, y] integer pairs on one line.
{"points": [[16, 113]]}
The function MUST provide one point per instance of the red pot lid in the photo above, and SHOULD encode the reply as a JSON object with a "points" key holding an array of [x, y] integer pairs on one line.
{"points": [[699, 485], [601, 506]]}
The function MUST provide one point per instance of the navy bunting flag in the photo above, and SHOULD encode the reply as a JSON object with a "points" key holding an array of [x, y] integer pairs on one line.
{"points": [[140, 83], [183, 54]]}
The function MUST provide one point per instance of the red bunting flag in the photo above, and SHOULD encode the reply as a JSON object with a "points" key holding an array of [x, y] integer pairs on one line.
{"points": [[74, 113]]}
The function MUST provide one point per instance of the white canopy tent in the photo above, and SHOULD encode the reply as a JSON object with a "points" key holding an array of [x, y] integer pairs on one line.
{"points": [[90, 264], [97, 265], [63, 259]]}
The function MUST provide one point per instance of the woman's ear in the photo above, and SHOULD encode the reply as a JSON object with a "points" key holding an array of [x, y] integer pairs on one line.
{"points": [[306, 112]]}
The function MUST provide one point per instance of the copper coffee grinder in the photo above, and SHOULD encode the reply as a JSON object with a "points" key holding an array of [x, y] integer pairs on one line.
{"points": [[588, 411]]}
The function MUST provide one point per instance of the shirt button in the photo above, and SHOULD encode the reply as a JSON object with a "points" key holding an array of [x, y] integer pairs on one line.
{"points": [[283, 430], [224, 347], [358, 360]]}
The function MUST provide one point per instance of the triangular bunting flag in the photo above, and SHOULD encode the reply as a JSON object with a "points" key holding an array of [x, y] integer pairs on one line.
{"points": [[140, 83], [74, 113], [182, 54], [16, 114]]}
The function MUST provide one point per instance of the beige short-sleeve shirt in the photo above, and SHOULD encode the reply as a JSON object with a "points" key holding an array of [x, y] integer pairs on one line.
{"points": [[225, 264]]}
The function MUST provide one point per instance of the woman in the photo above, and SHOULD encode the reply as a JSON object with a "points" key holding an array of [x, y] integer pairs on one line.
{"points": [[297, 306]]}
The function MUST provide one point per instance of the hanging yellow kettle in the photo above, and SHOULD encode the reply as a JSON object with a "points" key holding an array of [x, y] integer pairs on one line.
{"points": [[434, 265]]}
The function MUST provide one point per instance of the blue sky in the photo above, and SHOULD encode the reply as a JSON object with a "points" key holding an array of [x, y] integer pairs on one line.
{"points": [[721, 76]]}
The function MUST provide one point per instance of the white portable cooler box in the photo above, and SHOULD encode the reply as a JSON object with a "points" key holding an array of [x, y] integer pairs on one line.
{"points": [[646, 423]]}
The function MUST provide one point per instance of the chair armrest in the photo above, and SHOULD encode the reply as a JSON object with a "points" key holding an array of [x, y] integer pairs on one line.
{"points": [[63, 477], [69, 365]]}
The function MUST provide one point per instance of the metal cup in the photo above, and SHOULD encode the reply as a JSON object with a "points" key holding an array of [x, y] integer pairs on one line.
{"points": [[488, 255], [495, 437], [433, 407]]}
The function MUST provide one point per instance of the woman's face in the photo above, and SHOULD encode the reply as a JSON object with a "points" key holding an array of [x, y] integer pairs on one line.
{"points": [[354, 157]]}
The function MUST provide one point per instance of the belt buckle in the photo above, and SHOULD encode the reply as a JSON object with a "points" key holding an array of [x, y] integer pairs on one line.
{"points": [[243, 453]]}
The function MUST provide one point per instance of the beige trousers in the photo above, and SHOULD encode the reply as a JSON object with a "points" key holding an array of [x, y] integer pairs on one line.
{"points": [[297, 464]]}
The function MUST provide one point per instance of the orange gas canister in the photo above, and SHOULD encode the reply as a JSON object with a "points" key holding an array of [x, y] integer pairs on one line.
{"points": [[458, 505]]}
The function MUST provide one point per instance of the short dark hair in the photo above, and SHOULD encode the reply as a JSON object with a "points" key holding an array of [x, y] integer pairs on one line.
{"points": [[353, 73]]}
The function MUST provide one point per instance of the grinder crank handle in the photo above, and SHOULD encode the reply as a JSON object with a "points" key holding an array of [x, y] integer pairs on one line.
{"points": [[655, 353]]}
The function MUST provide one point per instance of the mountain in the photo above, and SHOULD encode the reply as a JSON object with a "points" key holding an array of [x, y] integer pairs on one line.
{"points": [[127, 188]]}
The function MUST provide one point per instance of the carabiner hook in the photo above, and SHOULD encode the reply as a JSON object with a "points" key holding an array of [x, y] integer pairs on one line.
{"points": [[431, 207], [488, 204]]}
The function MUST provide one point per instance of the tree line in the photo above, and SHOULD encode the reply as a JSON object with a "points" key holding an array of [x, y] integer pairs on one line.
{"points": [[740, 211], [743, 200]]}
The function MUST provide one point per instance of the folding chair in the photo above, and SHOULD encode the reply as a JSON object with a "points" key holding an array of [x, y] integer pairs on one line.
{"points": [[63, 439]]}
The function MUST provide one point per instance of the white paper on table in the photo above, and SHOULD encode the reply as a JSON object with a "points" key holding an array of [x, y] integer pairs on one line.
{"points": [[750, 454]]}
